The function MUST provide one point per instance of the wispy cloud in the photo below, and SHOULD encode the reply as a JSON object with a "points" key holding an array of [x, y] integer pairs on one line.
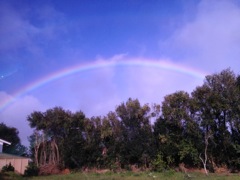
{"points": [[29, 33], [15, 32], [211, 40]]}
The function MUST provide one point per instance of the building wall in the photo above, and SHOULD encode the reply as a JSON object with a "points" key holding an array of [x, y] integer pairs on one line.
{"points": [[19, 164]]}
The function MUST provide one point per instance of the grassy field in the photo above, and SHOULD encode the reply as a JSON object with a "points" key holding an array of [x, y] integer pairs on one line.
{"points": [[125, 176]]}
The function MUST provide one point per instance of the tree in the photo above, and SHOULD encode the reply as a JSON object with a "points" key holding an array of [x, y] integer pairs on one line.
{"points": [[93, 146], [11, 134], [214, 104], [137, 144], [74, 142], [176, 130], [51, 129], [112, 140]]}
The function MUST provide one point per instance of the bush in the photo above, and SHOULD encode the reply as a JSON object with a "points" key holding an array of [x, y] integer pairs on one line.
{"points": [[158, 164], [32, 170], [8, 168]]}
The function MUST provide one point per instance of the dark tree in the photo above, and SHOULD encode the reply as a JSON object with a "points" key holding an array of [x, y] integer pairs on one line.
{"points": [[137, 144], [11, 134]]}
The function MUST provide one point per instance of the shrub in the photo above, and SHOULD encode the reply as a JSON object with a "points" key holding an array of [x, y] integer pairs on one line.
{"points": [[32, 170], [8, 168], [158, 164]]}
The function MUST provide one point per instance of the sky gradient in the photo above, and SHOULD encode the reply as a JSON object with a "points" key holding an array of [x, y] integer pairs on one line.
{"points": [[93, 55]]}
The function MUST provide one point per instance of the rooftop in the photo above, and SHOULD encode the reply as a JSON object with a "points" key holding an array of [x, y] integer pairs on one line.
{"points": [[4, 142]]}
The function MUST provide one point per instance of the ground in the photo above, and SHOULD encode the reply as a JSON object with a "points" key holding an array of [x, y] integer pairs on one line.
{"points": [[168, 175]]}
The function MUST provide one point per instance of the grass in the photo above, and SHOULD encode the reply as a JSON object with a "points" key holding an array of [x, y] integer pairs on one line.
{"points": [[169, 175]]}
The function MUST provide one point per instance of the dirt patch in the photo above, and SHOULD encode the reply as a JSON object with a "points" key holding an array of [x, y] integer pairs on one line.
{"points": [[65, 171], [222, 170]]}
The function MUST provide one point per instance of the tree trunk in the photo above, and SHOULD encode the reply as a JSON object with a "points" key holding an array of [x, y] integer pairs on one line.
{"points": [[204, 161], [57, 152]]}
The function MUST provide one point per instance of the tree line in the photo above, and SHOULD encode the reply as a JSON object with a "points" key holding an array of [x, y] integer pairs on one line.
{"points": [[200, 129]]}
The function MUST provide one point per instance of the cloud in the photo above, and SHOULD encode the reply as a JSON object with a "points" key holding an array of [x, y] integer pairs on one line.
{"points": [[151, 84], [99, 90], [16, 114], [15, 32], [211, 40], [28, 32]]}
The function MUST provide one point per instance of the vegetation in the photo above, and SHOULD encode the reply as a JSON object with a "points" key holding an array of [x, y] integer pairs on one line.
{"points": [[168, 175], [8, 168], [197, 130], [31, 170]]}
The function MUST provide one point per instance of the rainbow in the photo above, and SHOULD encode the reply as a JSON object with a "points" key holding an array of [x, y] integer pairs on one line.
{"points": [[161, 64]]}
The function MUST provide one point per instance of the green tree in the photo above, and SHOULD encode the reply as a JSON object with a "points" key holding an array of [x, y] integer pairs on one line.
{"points": [[216, 110], [93, 146], [137, 144], [51, 129], [176, 131], [112, 139], [74, 141]]}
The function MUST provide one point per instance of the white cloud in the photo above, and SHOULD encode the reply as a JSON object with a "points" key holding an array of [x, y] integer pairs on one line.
{"points": [[151, 84], [210, 41]]}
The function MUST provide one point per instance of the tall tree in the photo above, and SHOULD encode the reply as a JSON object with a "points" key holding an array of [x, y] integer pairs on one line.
{"points": [[112, 140], [52, 127], [74, 142], [176, 130], [137, 142], [93, 147], [215, 102]]}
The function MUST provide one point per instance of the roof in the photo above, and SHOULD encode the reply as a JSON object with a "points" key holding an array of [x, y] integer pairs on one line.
{"points": [[10, 156], [3, 141]]}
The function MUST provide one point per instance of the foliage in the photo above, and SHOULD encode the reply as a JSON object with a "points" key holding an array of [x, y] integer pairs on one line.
{"points": [[8, 167], [137, 138], [31, 170], [158, 164]]}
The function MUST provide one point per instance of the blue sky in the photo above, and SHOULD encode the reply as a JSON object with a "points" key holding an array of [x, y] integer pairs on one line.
{"points": [[38, 38]]}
